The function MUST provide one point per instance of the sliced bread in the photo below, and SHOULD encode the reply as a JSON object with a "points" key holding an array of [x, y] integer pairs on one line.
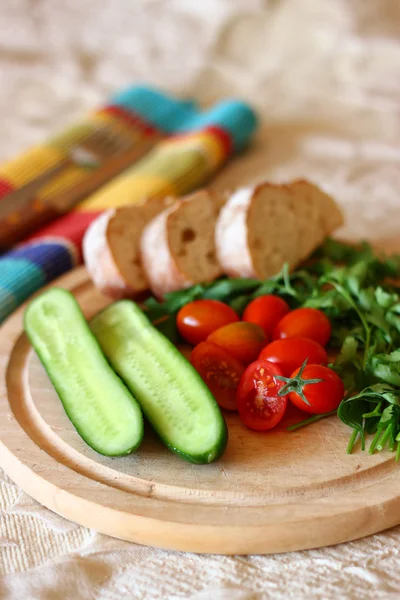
{"points": [[307, 210], [330, 215], [261, 228], [178, 246], [256, 232], [111, 248]]}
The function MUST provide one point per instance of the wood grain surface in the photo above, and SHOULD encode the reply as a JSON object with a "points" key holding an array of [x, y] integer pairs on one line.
{"points": [[270, 492]]}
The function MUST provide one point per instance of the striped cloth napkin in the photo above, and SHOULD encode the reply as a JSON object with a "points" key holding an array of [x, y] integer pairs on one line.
{"points": [[190, 146]]}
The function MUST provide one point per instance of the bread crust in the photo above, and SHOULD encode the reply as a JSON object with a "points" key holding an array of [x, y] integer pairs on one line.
{"points": [[157, 260], [236, 248], [163, 267], [233, 251], [302, 217], [330, 214], [104, 263], [99, 260], [249, 242]]}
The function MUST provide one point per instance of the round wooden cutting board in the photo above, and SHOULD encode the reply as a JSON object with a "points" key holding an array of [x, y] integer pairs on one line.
{"points": [[271, 492]]}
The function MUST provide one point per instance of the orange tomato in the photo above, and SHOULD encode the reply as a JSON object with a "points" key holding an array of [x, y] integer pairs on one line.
{"points": [[242, 340], [197, 319]]}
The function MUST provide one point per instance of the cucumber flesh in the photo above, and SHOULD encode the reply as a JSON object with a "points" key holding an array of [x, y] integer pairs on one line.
{"points": [[99, 405], [170, 392]]}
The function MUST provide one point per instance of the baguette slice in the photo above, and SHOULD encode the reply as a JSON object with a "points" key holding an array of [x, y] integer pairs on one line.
{"points": [[330, 215], [317, 216], [308, 210], [178, 246], [111, 248], [256, 232], [261, 228]]}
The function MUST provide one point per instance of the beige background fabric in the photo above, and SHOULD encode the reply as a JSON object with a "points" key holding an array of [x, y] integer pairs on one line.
{"points": [[325, 76]]}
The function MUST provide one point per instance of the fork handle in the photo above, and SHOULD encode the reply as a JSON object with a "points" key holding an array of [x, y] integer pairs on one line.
{"points": [[21, 211], [20, 224], [36, 213]]}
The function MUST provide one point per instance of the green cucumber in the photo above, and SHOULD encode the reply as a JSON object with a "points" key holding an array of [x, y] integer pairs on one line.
{"points": [[99, 405], [170, 392]]}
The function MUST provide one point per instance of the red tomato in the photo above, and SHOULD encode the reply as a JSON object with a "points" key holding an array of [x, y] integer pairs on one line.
{"points": [[322, 397], [220, 371], [291, 353], [266, 311], [242, 340], [304, 322], [198, 319], [258, 403]]}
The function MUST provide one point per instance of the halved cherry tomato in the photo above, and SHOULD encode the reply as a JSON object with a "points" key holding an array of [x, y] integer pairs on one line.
{"points": [[290, 354], [304, 322], [259, 405], [322, 397], [220, 371], [242, 340], [196, 320], [266, 311]]}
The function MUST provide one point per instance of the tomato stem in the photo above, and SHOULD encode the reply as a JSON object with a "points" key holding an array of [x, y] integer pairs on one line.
{"points": [[296, 384]]}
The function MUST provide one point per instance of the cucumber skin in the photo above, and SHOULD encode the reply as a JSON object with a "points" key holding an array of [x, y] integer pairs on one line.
{"points": [[198, 459], [89, 332]]}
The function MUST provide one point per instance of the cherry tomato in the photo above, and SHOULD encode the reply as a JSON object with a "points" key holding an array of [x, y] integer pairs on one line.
{"points": [[266, 311], [220, 371], [290, 354], [242, 340], [324, 396], [304, 322], [258, 403], [198, 319]]}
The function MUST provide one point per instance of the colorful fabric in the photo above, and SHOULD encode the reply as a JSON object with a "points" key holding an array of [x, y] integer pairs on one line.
{"points": [[199, 144], [144, 115]]}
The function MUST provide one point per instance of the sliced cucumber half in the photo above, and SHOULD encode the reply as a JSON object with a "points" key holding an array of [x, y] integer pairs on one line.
{"points": [[99, 405], [170, 392]]}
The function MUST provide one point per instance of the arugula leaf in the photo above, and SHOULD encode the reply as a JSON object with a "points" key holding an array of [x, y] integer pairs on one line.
{"points": [[356, 276], [339, 252], [239, 303], [348, 364], [173, 302], [383, 420], [226, 289], [168, 327], [386, 367], [351, 412], [386, 299], [348, 351]]}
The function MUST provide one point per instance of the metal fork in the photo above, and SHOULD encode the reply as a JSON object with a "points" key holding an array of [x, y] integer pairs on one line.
{"points": [[105, 152], [89, 153]]}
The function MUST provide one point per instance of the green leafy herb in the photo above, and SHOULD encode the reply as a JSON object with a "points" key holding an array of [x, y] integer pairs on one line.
{"points": [[355, 288]]}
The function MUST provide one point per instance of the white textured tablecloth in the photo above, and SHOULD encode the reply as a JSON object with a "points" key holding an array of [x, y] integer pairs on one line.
{"points": [[326, 76]]}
